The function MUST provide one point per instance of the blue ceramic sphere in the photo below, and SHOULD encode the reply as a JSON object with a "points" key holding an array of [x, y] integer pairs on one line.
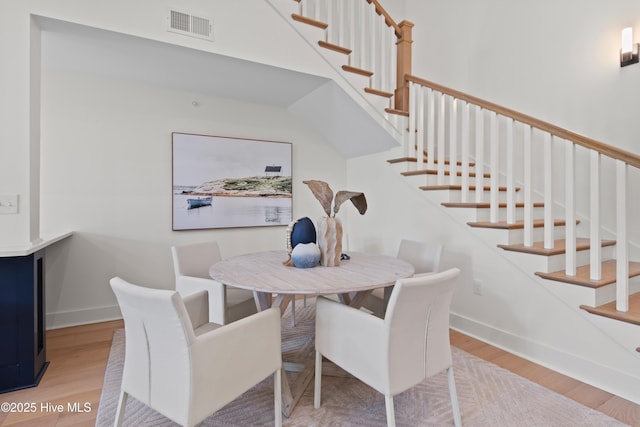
{"points": [[305, 255], [303, 232]]}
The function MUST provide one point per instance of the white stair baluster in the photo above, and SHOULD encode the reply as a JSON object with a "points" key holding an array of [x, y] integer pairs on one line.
{"points": [[464, 151], [431, 129], [353, 12], [371, 39], [420, 115], [570, 209], [453, 140], [511, 187], [479, 152], [528, 186], [358, 35], [548, 193], [622, 250], [494, 194], [411, 140], [595, 256], [331, 29], [441, 145]]}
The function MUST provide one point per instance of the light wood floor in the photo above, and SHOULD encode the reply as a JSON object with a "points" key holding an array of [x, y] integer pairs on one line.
{"points": [[78, 357]]}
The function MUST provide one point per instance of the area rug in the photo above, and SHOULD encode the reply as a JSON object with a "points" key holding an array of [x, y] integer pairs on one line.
{"points": [[488, 396]]}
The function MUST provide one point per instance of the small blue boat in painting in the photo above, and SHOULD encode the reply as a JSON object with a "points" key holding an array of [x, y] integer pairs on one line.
{"points": [[198, 203]]}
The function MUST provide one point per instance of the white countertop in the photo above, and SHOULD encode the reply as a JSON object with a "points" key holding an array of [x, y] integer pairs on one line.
{"points": [[12, 251]]}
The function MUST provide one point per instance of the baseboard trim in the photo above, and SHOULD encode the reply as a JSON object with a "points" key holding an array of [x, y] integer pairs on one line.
{"points": [[622, 384], [63, 319]]}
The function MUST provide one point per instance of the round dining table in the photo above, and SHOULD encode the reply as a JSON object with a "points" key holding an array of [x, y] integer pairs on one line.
{"points": [[265, 274]]}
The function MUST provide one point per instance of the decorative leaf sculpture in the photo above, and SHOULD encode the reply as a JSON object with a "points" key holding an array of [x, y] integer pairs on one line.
{"points": [[324, 194], [358, 200]]}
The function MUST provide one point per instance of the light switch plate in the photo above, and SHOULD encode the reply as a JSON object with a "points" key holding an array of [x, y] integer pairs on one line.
{"points": [[8, 204]]}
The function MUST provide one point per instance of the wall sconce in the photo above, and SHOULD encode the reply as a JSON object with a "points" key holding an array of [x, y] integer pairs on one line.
{"points": [[629, 52]]}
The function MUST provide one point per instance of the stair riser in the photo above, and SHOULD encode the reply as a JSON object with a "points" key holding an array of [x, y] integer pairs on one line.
{"points": [[548, 264], [517, 236], [309, 32], [606, 294], [379, 102], [495, 237], [456, 196], [359, 82], [336, 59], [482, 215]]}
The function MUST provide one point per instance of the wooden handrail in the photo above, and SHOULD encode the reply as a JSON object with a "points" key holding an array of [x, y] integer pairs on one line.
{"points": [[608, 150], [387, 18]]}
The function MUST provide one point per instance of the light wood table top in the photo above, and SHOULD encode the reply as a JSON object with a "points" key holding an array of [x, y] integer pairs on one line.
{"points": [[264, 272]]}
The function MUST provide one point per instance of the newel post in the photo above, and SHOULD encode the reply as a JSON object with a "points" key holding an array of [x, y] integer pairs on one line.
{"points": [[403, 66]]}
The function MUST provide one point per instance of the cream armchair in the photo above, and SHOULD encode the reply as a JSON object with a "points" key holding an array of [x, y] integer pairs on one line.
{"points": [[425, 258], [191, 265], [398, 352], [186, 368]]}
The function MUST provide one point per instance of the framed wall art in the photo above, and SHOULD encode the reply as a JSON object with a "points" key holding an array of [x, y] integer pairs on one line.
{"points": [[223, 182]]}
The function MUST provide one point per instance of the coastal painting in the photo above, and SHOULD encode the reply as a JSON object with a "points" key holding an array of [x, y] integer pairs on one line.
{"points": [[224, 182]]}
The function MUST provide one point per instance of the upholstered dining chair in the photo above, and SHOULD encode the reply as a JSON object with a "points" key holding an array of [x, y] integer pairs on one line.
{"points": [[393, 354], [425, 258], [191, 265], [185, 367]]}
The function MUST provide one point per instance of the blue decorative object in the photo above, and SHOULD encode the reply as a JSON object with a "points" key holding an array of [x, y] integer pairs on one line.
{"points": [[303, 232], [305, 255]]}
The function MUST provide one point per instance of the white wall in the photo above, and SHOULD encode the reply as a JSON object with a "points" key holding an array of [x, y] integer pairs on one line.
{"points": [[246, 29], [106, 174], [557, 61]]}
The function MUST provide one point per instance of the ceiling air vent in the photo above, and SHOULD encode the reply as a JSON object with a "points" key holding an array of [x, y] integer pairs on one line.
{"points": [[190, 25]]}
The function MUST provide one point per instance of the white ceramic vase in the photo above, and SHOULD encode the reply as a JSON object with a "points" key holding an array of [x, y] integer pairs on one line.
{"points": [[330, 241]]}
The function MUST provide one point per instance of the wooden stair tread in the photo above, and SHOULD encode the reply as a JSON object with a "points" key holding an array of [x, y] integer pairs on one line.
{"points": [[377, 92], [309, 21], [397, 112], [334, 47], [583, 273], [503, 225], [485, 205], [415, 160], [458, 187], [359, 71], [609, 310], [559, 247], [435, 172]]}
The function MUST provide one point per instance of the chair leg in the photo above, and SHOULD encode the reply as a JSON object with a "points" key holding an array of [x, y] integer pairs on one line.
{"points": [[293, 311], [277, 397], [122, 406], [457, 420], [318, 379], [391, 415]]}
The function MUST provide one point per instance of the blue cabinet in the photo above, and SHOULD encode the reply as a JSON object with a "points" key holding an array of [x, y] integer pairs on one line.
{"points": [[22, 321]]}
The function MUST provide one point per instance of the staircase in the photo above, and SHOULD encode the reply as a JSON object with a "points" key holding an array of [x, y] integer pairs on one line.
{"points": [[482, 163]]}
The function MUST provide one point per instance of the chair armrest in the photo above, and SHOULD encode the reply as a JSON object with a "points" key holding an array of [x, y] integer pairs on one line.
{"points": [[187, 285], [428, 273], [237, 355], [353, 339], [197, 305]]}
